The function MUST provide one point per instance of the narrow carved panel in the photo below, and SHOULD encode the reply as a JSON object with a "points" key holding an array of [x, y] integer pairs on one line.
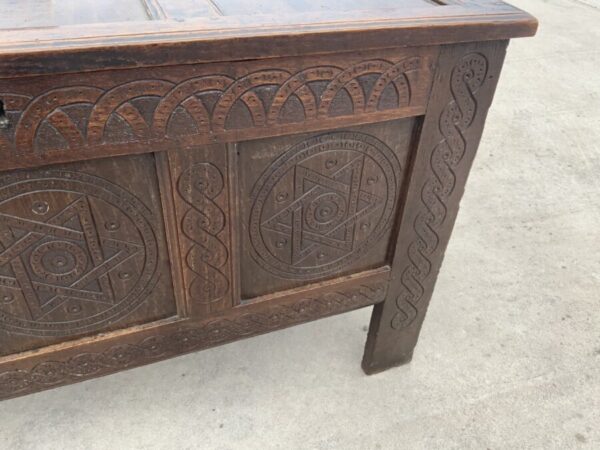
{"points": [[63, 369], [319, 206], [80, 253], [202, 200], [68, 116]]}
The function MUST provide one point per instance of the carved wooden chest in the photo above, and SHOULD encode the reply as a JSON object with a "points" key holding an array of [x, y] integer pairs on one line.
{"points": [[178, 174]]}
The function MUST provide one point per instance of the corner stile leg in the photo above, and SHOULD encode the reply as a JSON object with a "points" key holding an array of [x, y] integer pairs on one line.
{"points": [[461, 95]]}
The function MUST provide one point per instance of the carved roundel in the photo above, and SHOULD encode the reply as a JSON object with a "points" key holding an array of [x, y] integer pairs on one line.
{"points": [[76, 252], [58, 261], [323, 204]]}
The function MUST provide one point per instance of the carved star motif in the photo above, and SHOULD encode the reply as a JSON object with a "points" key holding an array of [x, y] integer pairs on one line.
{"points": [[324, 211], [61, 259]]}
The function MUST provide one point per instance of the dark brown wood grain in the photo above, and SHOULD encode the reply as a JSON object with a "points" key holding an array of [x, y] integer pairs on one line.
{"points": [[179, 174]]}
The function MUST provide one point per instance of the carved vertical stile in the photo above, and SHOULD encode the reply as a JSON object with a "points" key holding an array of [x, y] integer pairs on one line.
{"points": [[234, 223], [168, 205], [200, 180], [461, 95]]}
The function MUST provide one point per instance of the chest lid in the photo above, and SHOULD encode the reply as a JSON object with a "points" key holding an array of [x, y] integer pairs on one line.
{"points": [[49, 36]]}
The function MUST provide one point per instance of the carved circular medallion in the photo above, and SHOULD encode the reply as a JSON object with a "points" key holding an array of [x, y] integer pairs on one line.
{"points": [[323, 204], [58, 261], [64, 270]]}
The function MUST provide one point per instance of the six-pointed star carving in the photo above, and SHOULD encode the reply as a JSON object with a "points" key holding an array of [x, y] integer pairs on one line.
{"points": [[102, 255], [349, 204]]}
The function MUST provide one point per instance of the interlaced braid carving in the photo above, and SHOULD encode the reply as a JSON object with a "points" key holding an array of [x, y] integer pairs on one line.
{"points": [[202, 223], [456, 118]]}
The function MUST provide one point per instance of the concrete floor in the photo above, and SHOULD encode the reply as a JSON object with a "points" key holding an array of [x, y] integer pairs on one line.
{"points": [[510, 352]]}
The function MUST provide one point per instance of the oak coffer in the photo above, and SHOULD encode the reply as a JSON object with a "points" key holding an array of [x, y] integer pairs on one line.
{"points": [[178, 174]]}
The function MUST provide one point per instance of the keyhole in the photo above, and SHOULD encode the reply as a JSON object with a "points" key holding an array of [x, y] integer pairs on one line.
{"points": [[4, 123]]}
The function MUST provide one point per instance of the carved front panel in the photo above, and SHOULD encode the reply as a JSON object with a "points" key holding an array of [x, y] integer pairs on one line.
{"points": [[319, 206], [81, 250]]}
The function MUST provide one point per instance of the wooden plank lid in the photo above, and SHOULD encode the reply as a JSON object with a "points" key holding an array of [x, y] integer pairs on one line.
{"points": [[51, 36]]}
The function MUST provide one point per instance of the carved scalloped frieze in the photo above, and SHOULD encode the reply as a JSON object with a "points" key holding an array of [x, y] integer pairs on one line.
{"points": [[89, 111]]}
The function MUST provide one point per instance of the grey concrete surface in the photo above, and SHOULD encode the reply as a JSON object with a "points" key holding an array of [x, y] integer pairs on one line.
{"points": [[509, 356]]}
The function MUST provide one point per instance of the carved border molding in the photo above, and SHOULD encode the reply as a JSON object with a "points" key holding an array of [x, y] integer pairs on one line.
{"points": [[60, 370], [468, 76]]}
